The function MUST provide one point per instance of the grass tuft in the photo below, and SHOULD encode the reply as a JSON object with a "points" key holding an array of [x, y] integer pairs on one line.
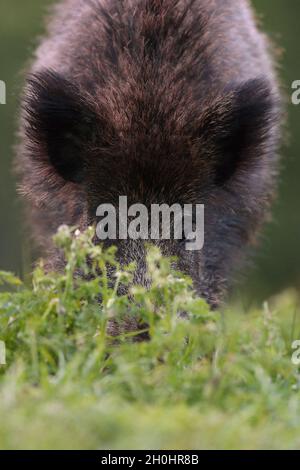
{"points": [[221, 380]]}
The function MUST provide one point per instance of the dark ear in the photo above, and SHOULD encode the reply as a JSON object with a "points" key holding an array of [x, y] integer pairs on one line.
{"points": [[60, 122], [239, 125]]}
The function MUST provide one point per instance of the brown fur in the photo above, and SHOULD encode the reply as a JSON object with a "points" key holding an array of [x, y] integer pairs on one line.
{"points": [[162, 101]]}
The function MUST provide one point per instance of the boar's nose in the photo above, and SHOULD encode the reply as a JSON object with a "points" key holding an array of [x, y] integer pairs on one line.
{"points": [[134, 251]]}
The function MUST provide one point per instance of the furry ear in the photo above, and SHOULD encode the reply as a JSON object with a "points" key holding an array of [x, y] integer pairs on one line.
{"points": [[239, 123], [59, 122]]}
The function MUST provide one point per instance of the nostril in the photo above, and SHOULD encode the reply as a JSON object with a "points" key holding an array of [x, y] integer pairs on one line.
{"points": [[183, 314], [123, 290]]}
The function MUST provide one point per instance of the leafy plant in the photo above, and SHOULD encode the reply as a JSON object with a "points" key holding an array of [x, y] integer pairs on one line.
{"points": [[212, 380]]}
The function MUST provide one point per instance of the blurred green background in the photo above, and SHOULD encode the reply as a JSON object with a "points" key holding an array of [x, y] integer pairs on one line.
{"points": [[277, 264]]}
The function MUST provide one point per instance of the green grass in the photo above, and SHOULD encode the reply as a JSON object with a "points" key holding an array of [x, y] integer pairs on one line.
{"points": [[220, 380]]}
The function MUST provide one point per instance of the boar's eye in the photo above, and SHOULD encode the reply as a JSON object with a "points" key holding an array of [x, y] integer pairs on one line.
{"points": [[237, 127], [58, 122]]}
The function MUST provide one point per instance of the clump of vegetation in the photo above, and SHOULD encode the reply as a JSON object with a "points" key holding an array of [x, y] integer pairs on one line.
{"points": [[216, 380]]}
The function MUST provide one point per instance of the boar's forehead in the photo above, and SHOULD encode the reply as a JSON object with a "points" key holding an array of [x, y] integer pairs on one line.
{"points": [[154, 180]]}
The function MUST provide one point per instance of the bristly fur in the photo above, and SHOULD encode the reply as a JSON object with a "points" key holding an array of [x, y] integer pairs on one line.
{"points": [[162, 101]]}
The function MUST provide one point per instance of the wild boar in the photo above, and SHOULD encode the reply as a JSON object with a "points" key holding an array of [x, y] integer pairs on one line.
{"points": [[162, 101]]}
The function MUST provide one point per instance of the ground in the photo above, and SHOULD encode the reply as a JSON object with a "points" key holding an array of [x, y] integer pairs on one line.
{"points": [[221, 380]]}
